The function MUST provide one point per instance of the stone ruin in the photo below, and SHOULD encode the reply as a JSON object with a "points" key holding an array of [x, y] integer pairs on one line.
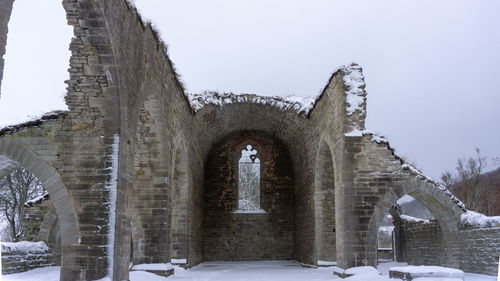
{"points": [[140, 171]]}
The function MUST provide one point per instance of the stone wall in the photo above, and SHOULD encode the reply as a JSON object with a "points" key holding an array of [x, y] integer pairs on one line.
{"points": [[424, 243], [481, 249], [14, 262], [249, 236]]}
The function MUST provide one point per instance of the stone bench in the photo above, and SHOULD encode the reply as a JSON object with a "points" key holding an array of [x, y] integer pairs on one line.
{"points": [[161, 269], [423, 272]]}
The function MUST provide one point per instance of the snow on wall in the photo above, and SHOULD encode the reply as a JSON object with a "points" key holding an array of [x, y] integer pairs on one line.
{"points": [[476, 219], [31, 121], [302, 105], [414, 219], [355, 94], [26, 247], [111, 185]]}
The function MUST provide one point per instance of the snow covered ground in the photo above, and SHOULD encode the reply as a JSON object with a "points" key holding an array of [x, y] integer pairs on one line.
{"points": [[239, 271]]}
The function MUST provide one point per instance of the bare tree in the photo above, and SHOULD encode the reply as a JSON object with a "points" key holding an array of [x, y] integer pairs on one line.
{"points": [[16, 189], [466, 182]]}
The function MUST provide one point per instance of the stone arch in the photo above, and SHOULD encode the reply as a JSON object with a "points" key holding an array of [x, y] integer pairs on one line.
{"points": [[324, 205], [47, 225], [446, 211], [51, 181], [179, 231]]}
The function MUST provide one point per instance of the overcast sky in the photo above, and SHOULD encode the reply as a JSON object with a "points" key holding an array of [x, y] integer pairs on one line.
{"points": [[431, 67]]}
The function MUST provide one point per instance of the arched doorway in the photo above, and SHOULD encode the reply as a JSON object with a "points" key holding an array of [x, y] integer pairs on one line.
{"points": [[149, 194], [324, 207], [180, 208]]}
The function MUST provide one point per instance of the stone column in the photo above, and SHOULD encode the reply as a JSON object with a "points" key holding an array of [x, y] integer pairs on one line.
{"points": [[5, 11]]}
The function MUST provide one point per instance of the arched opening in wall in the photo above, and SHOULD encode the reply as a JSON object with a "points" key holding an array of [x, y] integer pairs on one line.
{"points": [[58, 225], [324, 208], [37, 51], [28, 214], [136, 240], [180, 208], [256, 223], [149, 195], [410, 233]]}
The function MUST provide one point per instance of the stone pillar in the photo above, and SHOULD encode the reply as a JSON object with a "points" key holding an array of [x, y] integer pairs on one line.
{"points": [[5, 11]]}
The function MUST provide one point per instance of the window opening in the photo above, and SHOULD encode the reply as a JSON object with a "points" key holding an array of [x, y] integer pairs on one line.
{"points": [[249, 180]]}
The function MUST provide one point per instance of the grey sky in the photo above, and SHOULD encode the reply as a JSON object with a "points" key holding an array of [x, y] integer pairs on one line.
{"points": [[431, 67]]}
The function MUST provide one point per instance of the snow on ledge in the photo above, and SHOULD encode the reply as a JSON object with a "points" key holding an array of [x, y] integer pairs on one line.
{"points": [[153, 267], [472, 218], [36, 200], [373, 136], [430, 271], [259, 211], [414, 219], [178, 261], [327, 263], [302, 105], [26, 247]]}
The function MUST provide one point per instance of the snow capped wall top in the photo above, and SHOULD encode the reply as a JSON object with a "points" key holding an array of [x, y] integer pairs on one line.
{"points": [[302, 105], [355, 94], [24, 247], [352, 77], [33, 122], [471, 218]]}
